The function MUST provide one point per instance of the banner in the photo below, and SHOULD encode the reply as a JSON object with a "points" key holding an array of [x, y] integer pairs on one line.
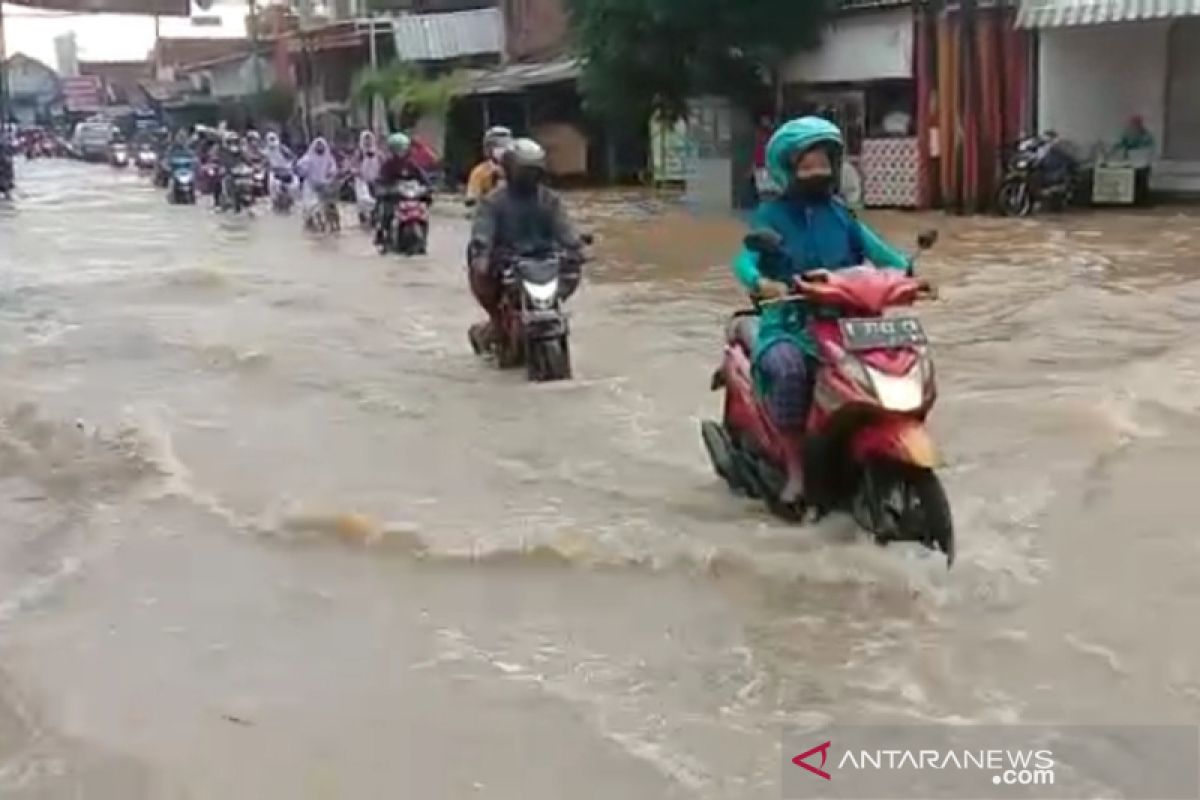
{"points": [[165, 8], [82, 94]]}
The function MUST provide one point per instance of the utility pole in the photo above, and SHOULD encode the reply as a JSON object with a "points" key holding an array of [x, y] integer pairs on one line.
{"points": [[258, 76], [3, 81]]}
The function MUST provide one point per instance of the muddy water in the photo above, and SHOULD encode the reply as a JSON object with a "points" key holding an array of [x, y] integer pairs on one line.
{"points": [[268, 528]]}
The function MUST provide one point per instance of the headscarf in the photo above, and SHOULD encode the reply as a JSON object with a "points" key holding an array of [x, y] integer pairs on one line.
{"points": [[277, 157], [316, 168], [369, 161]]}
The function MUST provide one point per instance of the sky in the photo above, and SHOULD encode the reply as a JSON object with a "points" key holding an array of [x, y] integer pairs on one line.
{"points": [[107, 37]]}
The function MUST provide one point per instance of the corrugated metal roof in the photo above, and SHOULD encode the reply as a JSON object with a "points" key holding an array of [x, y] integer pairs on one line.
{"points": [[516, 77], [1063, 13], [437, 37]]}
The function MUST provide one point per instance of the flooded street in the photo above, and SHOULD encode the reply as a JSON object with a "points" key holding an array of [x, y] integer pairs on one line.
{"points": [[269, 529]]}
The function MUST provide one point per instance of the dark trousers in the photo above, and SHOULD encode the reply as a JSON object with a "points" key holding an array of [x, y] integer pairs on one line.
{"points": [[1141, 186]]}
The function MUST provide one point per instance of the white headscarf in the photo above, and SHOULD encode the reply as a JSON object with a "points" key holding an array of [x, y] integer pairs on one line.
{"points": [[369, 160], [316, 168]]}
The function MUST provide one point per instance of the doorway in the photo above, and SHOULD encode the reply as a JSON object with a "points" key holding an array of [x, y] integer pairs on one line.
{"points": [[1183, 91]]}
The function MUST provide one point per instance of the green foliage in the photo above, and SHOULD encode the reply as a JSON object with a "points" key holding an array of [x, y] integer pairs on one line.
{"points": [[645, 56], [405, 90]]}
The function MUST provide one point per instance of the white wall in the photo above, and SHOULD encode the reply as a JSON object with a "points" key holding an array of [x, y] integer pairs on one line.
{"points": [[861, 47], [1094, 77]]}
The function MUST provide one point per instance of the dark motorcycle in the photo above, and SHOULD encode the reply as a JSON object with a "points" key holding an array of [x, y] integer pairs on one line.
{"points": [[261, 177], [533, 321], [181, 184], [237, 191], [208, 177], [284, 196], [1041, 173]]}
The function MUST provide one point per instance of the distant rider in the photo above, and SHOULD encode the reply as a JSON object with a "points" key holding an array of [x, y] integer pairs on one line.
{"points": [[398, 167], [489, 174], [228, 154], [279, 160], [819, 233], [319, 170], [523, 217], [367, 164], [6, 166]]}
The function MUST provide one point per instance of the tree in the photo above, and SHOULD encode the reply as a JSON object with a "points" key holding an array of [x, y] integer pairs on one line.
{"points": [[276, 104], [406, 91], [649, 56]]}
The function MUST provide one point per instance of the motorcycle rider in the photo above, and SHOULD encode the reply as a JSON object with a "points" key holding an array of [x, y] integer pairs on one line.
{"points": [[279, 162], [522, 217], [399, 166], [367, 165], [6, 166], [318, 169], [488, 174], [819, 234], [229, 154]]}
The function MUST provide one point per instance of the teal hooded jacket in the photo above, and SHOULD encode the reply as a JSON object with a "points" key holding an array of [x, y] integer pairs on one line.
{"points": [[821, 234]]}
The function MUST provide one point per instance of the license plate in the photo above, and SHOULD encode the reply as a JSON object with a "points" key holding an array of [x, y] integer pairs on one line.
{"points": [[882, 333]]}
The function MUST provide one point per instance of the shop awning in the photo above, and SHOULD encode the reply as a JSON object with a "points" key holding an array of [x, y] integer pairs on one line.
{"points": [[515, 78], [1065, 13]]}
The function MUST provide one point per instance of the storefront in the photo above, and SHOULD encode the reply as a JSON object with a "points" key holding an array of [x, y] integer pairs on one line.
{"points": [[1100, 63], [862, 77]]}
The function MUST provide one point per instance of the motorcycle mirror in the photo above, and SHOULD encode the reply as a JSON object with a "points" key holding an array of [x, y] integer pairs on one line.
{"points": [[763, 241], [927, 239]]}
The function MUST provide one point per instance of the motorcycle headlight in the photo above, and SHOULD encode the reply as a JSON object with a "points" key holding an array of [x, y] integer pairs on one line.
{"points": [[899, 392], [542, 294]]}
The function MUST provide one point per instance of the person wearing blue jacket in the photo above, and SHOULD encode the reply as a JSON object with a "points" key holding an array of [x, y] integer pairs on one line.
{"points": [[819, 232]]}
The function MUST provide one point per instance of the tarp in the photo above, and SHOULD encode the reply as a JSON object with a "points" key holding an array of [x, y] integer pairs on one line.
{"points": [[165, 8]]}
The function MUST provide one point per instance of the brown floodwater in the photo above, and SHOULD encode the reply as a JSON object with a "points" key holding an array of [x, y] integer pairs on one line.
{"points": [[269, 529]]}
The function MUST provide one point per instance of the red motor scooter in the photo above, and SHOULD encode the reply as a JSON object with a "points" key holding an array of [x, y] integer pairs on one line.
{"points": [[410, 229], [866, 450]]}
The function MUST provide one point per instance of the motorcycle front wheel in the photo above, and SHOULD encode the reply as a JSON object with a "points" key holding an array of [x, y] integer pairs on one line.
{"points": [[549, 360], [1014, 199], [904, 503]]}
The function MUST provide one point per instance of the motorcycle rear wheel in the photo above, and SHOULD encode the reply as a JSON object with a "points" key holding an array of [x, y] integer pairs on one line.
{"points": [[1014, 199], [903, 503]]}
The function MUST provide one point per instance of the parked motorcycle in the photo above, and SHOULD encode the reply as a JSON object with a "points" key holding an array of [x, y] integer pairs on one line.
{"points": [[533, 321], [181, 185], [866, 449], [1041, 173], [408, 230]]}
